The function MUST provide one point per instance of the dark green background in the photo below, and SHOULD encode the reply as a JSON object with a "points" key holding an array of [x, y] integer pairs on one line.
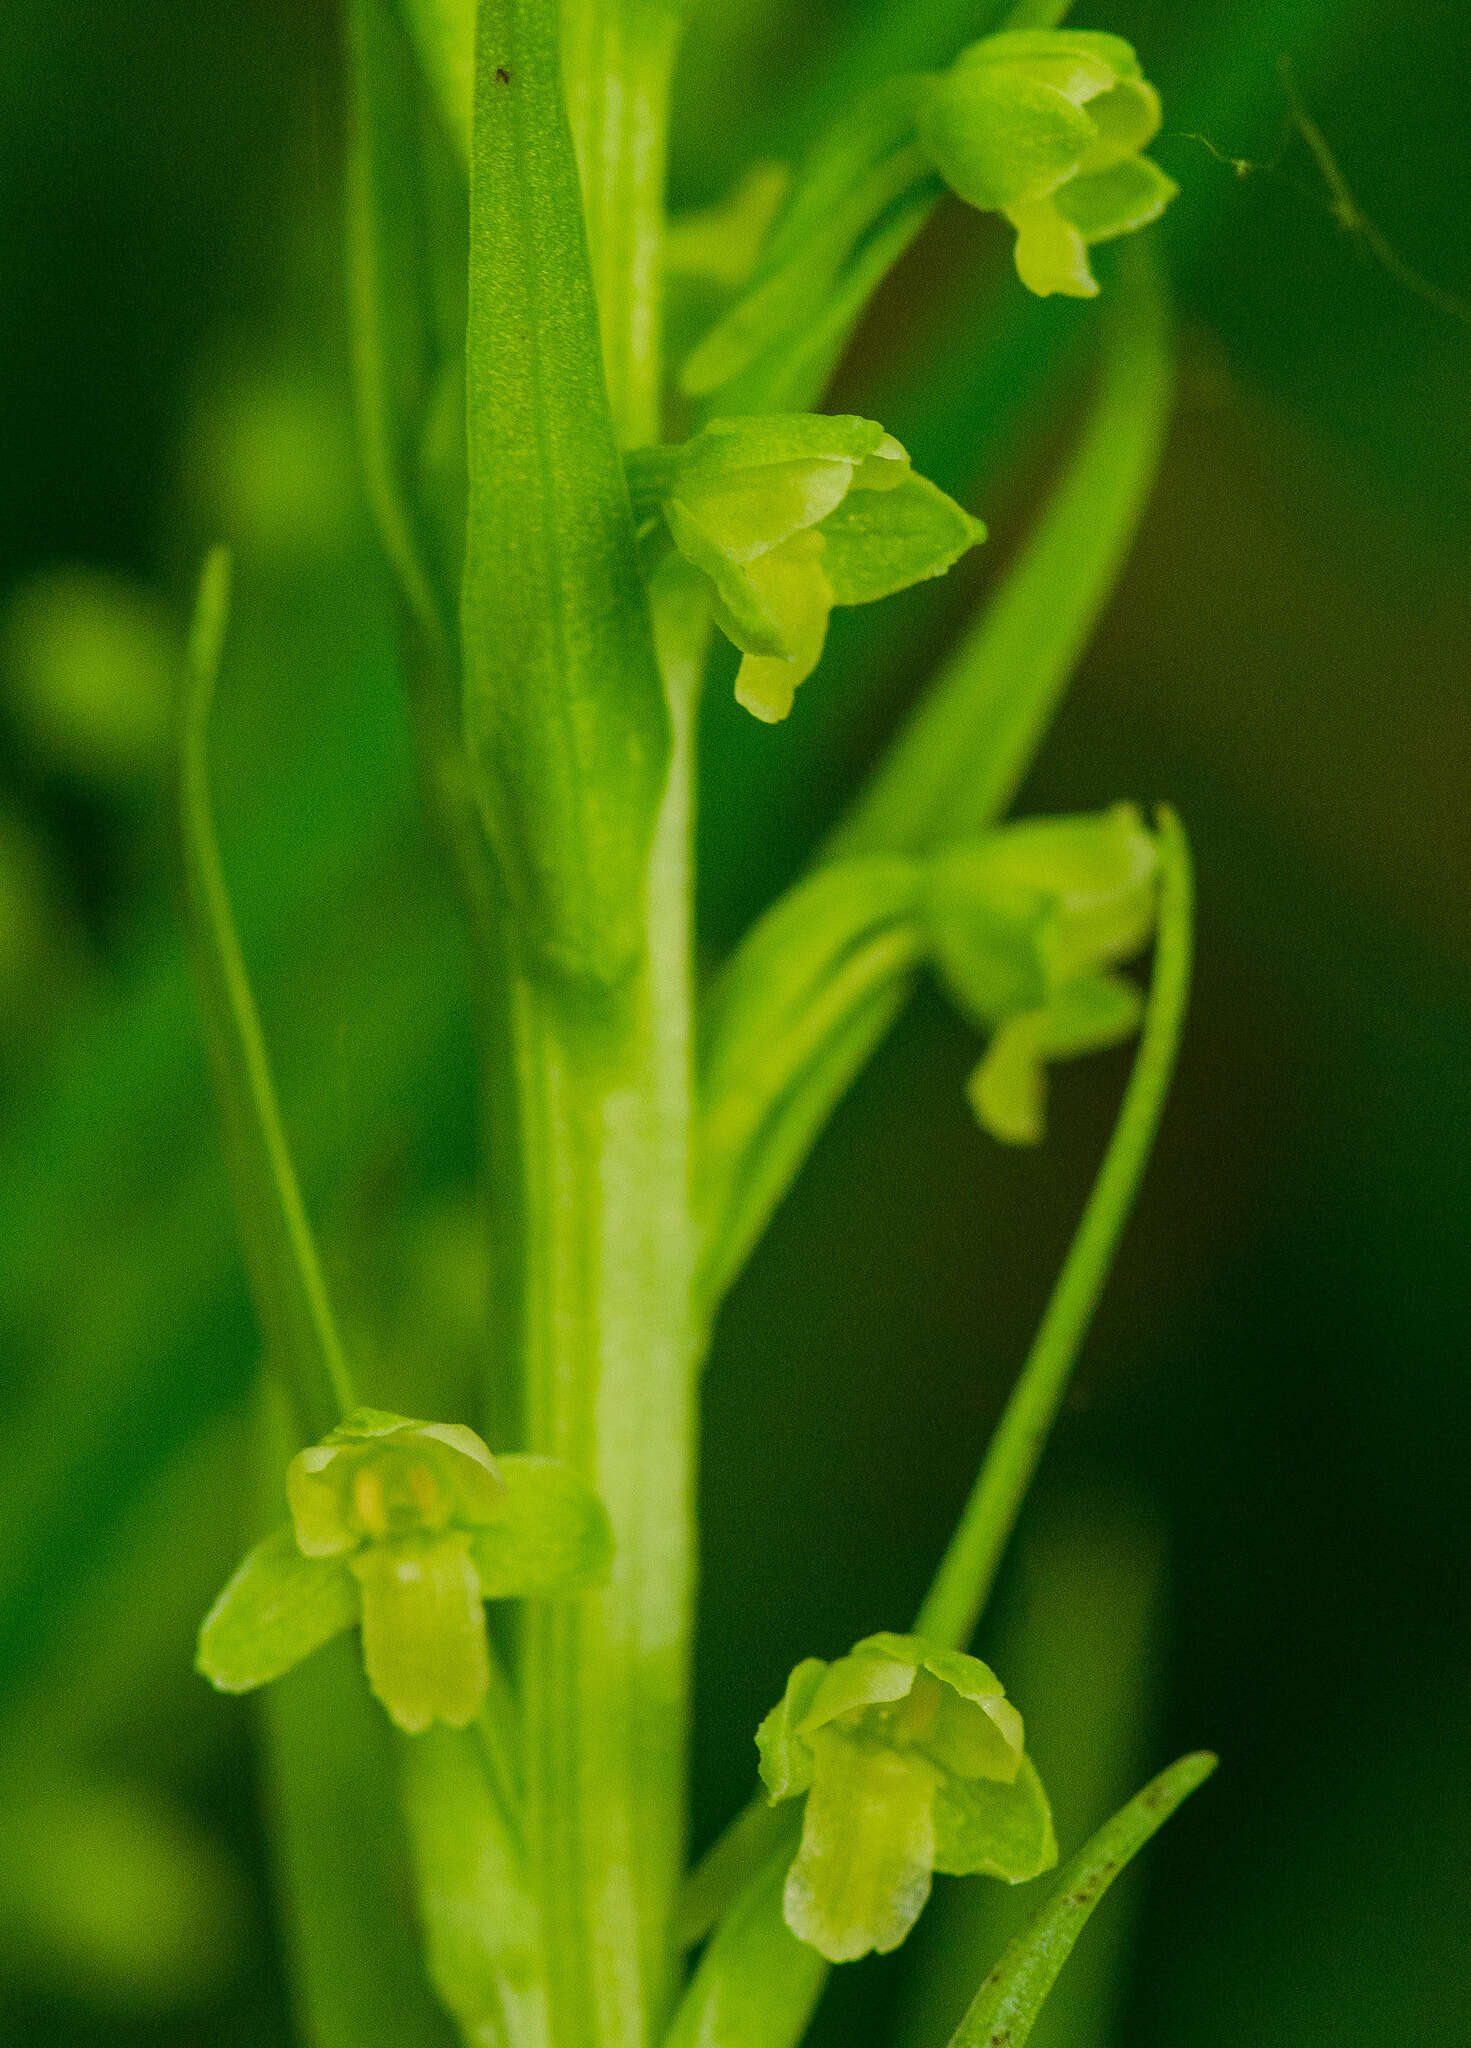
{"points": [[1250, 1531]]}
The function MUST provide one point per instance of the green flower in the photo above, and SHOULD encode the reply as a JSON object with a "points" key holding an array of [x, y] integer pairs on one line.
{"points": [[911, 1760], [1025, 927], [405, 1528], [788, 515], [1046, 127]]}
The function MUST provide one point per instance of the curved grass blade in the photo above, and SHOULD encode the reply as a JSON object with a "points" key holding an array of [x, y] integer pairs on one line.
{"points": [[285, 1272], [977, 731], [1005, 2008], [402, 221], [756, 1985], [968, 1569], [789, 1024], [481, 1925]]}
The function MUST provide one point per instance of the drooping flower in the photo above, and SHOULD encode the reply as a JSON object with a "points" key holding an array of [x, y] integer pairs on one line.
{"points": [[405, 1528], [911, 1760], [1048, 128], [788, 515], [1026, 926]]}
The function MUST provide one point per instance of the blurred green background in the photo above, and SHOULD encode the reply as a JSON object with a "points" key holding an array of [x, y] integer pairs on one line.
{"points": [[1250, 1530]]}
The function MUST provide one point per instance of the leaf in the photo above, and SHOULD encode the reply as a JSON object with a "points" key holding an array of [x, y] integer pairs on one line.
{"points": [[565, 718], [481, 1925], [756, 1984], [551, 1536], [1005, 2008], [444, 36], [879, 542], [960, 761], [403, 221], [866, 167], [285, 1271], [986, 1828], [277, 1608], [787, 1025]]}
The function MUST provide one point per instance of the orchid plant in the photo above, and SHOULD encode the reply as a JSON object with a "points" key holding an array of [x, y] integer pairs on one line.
{"points": [[572, 523]]}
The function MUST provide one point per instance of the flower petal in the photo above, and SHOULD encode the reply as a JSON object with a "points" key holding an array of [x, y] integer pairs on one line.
{"points": [[550, 1537], [424, 1629], [994, 1830], [862, 1874], [791, 585], [277, 1609], [1051, 254], [786, 1755]]}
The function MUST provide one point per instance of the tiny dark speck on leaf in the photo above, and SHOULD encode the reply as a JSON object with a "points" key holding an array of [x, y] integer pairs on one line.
{"points": [[503, 77]]}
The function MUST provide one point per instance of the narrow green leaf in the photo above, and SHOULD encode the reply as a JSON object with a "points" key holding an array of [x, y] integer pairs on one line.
{"points": [[756, 1985], [969, 1567], [732, 1862], [550, 1538], [481, 1924], [787, 1027], [285, 1272], [865, 171], [1006, 2006], [444, 37], [405, 267], [967, 748], [276, 1609], [565, 717], [356, 1957]]}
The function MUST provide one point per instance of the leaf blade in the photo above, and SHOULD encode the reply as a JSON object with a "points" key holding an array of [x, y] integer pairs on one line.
{"points": [[565, 717], [1006, 2007]]}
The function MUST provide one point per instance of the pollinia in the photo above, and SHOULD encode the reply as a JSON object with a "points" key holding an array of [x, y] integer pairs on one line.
{"points": [[485, 1618]]}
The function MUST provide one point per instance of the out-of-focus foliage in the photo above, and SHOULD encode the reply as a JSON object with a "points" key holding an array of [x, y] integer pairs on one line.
{"points": [[1261, 1476]]}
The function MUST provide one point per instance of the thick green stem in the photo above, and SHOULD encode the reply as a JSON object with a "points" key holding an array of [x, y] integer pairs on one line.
{"points": [[617, 61], [604, 1248]]}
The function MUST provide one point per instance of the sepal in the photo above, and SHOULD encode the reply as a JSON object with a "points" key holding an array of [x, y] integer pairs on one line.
{"points": [[986, 1829], [278, 1607], [550, 1539]]}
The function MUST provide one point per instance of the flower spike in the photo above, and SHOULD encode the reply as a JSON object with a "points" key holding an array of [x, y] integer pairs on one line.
{"points": [[406, 1528], [911, 1760]]}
